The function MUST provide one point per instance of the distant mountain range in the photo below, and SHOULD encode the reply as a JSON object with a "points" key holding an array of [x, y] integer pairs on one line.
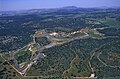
{"points": [[62, 9], [69, 7]]}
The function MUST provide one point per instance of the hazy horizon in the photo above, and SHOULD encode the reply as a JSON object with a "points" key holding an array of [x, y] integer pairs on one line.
{"points": [[6, 5]]}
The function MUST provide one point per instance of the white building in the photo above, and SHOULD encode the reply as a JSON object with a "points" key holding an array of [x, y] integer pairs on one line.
{"points": [[92, 76], [54, 34]]}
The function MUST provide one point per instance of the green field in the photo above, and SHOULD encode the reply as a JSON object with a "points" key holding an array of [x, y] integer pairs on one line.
{"points": [[23, 55]]}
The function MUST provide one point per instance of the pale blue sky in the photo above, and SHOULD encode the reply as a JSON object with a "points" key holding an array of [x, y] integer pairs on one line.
{"points": [[38, 4]]}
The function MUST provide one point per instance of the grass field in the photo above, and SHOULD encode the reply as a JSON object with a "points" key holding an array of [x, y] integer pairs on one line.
{"points": [[23, 55]]}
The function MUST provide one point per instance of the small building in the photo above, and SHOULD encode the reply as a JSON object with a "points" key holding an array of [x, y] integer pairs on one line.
{"points": [[92, 76], [54, 34]]}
